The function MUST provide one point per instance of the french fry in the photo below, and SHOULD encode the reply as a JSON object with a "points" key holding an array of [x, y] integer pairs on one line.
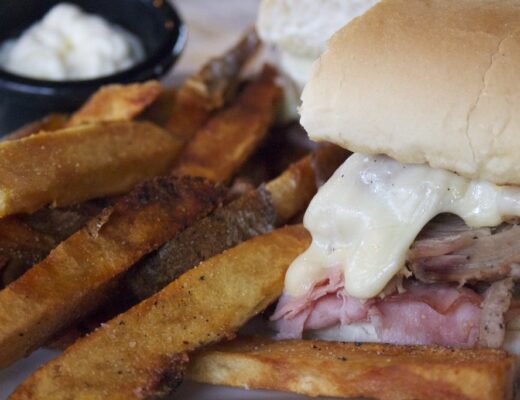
{"points": [[78, 274], [141, 353], [110, 103], [250, 215], [20, 244], [113, 261], [256, 212], [80, 163], [219, 148], [201, 95], [377, 371], [116, 103], [249, 124], [27, 239], [210, 88]]}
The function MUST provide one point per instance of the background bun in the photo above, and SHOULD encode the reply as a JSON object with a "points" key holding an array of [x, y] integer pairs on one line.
{"points": [[434, 81], [300, 29]]}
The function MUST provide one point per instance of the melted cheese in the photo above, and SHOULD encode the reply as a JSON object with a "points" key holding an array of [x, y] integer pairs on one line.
{"points": [[365, 218]]}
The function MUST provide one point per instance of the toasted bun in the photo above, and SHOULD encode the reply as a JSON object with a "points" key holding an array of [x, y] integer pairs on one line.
{"points": [[433, 81]]}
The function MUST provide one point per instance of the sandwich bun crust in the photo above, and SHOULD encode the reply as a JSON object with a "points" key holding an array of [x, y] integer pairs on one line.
{"points": [[433, 82]]}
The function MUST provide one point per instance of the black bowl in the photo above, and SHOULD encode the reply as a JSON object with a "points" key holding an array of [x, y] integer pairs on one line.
{"points": [[155, 22]]}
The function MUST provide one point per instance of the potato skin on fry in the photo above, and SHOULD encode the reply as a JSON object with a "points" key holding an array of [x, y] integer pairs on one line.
{"points": [[130, 356], [256, 212], [250, 215], [79, 274], [381, 371]]}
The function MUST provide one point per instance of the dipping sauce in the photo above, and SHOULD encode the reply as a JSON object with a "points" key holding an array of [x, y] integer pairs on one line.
{"points": [[69, 44]]}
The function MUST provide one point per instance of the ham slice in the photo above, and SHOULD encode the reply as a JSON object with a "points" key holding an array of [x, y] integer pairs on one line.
{"points": [[436, 314], [431, 310]]}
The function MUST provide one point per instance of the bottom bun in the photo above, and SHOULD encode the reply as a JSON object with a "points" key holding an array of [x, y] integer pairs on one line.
{"points": [[358, 332], [365, 332]]}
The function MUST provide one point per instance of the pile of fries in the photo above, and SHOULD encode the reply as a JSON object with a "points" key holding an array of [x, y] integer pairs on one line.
{"points": [[155, 222]]}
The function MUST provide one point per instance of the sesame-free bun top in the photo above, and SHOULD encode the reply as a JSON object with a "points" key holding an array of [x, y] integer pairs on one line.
{"points": [[434, 81]]}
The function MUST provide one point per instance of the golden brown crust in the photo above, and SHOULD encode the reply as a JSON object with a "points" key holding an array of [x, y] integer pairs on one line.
{"points": [[142, 347], [200, 96], [117, 103], [80, 163], [425, 81], [78, 275], [378, 371], [240, 127]]}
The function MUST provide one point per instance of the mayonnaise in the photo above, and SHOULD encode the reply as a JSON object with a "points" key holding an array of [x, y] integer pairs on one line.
{"points": [[68, 44], [365, 218]]}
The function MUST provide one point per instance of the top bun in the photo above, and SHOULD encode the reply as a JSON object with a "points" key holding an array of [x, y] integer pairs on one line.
{"points": [[434, 81]]}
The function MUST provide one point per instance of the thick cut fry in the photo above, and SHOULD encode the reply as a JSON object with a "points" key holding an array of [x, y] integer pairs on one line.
{"points": [[108, 104], [139, 354], [50, 123], [76, 164], [78, 275], [223, 145], [377, 371], [249, 216], [267, 114], [27, 239], [210, 88], [253, 214], [201, 95], [116, 103], [20, 245]]}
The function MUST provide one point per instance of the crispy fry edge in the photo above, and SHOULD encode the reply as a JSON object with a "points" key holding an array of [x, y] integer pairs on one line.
{"points": [[382, 371], [209, 303]]}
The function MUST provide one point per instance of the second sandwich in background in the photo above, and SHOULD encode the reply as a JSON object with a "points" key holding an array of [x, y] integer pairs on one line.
{"points": [[299, 30]]}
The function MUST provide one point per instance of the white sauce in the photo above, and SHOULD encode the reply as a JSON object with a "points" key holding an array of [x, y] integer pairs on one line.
{"points": [[70, 44], [365, 218]]}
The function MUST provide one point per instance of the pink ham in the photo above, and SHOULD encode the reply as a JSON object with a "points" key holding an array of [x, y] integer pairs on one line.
{"points": [[425, 314]]}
